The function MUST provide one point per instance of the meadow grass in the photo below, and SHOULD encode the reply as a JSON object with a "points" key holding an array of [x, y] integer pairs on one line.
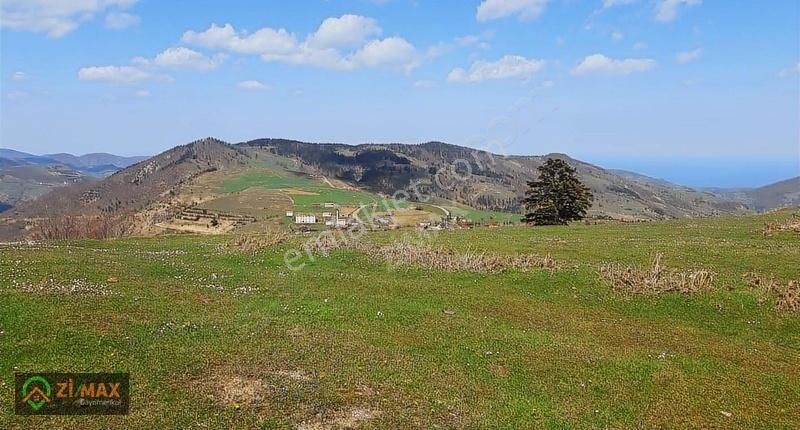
{"points": [[352, 340]]}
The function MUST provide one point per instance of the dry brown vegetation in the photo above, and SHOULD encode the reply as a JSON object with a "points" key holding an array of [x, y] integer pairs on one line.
{"points": [[254, 242], [81, 227], [429, 257], [788, 294], [656, 279], [791, 225]]}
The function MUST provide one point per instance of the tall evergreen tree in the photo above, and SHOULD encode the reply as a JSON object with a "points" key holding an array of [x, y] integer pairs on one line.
{"points": [[557, 196]]}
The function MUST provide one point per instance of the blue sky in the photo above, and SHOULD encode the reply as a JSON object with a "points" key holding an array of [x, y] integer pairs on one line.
{"points": [[699, 92]]}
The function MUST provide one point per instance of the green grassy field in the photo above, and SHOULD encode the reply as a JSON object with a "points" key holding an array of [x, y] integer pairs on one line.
{"points": [[214, 337], [317, 192]]}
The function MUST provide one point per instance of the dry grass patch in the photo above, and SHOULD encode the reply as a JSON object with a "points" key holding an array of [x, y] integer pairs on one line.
{"points": [[255, 242], [340, 419], [791, 225], [428, 257], [788, 294], [656, 279]]}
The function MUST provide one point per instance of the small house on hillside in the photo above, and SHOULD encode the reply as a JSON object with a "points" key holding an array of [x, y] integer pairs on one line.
{"points": [[289, 214]]}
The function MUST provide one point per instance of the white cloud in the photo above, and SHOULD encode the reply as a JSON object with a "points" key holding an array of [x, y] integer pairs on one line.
{"points": [[687, 56], [510, 66], [142, 93], [344, 31], [264, 41], [612, 3], [19, 76], [116, 74], [54, 17], [617, 35], [392, 51], [638, 46], [121, 20], [181, 57], [424, 84], [600, 64], [667, 10], [790, 71], [253, 86], [321, 48], [526, 9]]}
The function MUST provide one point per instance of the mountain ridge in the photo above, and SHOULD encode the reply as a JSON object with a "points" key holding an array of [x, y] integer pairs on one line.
{"points": [[438, 170]]}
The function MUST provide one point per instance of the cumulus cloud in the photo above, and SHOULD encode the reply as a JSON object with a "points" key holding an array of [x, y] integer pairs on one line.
{"points": [[667, 10], [424, 84], [617, 35], [526, 9], [393, 51], [687, 56], [19, 76], [253, 86], [121, 20], [322, 48], [344, 31], [181, 57], [116, 74], [54, 17], [264, 41], [510, 66], [600, 64]]}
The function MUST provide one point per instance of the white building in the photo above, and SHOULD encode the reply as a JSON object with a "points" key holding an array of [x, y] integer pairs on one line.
{"points": [[305, 219], [289, 214], [327, 215], [330, 205]]}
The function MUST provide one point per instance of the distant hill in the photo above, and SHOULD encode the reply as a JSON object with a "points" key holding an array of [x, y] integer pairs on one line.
{"points": [[25, 176], [98, 162], [160, 187], [780, 194], [494, 182], [135, 188]]}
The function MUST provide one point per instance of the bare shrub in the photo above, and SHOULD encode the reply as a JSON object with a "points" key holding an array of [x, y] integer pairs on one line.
{"points": [[656, 279], [787, 295], [256, 242], [81, 227]]}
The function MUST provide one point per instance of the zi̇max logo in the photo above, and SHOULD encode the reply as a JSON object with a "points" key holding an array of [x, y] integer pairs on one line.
{"points": [[72, 393], [36, 391]]}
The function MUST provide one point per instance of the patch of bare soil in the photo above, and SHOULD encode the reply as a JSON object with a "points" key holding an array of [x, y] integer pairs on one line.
{"points": [[269, 392], [340, 419], [656, 279]]}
